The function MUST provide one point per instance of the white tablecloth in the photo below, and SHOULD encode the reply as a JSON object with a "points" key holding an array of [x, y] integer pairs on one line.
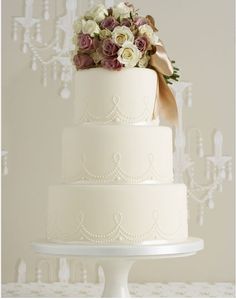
{"points": [[90, 290]]}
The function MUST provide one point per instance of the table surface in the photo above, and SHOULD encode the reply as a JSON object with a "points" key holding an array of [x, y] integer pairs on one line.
{"points": [[188, 247]]}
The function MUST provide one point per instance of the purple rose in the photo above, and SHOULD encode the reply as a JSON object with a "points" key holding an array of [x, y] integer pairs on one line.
{"points": [[85, 43], [139, 21], [109, 48], [142, 43], [111, 64], [126, 22], [83, 61], [109, 23]]}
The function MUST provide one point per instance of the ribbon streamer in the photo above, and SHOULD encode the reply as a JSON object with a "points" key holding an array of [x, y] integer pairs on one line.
{"points": [[165, 103]]}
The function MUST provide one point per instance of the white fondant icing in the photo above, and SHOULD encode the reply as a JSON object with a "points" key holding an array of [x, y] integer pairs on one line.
{"points": [[117, 213], [126, 96], [117, 154], [117, 166]]}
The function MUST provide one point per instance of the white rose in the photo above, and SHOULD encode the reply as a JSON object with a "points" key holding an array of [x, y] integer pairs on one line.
{"points": [[78, 25], [122, 11], [143, 62], [129, 54], [154, 39], [121, 34], [90, 27], [97, 13], [146, 30]]}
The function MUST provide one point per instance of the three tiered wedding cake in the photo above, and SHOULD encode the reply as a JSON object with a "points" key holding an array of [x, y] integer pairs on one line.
{"points": [[116, 160]]}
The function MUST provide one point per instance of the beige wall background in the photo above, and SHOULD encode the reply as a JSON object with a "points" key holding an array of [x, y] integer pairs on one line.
{"points": [[199, 35]]}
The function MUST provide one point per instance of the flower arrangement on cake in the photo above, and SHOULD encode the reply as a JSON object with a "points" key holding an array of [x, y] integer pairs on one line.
{"points": [[118, 37]]}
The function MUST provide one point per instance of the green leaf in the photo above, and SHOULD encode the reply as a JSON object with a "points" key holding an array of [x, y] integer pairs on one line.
{"points": [[174, 77]]}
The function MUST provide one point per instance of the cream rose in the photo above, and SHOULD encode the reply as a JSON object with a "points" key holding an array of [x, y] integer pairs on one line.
{"points": [[97, 13], [105, 33], [122, 11], [97, 57], [91, 27], [149, 33], [122, 34], [146, 30], [129, 54], [143, 62]]}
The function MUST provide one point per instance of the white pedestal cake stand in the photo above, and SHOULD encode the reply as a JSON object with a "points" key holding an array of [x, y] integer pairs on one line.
{"points": [[117, 261]]}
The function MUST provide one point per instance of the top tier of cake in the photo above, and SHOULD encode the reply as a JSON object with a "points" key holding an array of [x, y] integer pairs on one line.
{"points": [[105, 97]]}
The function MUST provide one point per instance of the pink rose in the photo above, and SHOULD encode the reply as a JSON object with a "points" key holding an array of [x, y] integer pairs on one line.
{"points": [[109, 48], [139, 21], [126, 22], [85, 43], [83, 61], [142, 43], [109, 23], [111, 64]]}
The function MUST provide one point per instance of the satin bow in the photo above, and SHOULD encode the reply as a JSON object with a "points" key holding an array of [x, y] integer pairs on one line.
{"points": [[165, 104]]}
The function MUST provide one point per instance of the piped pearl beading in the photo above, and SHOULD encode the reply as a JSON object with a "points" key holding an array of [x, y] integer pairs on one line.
{"points": [[115, 114], [118, 233], [117, 175]]}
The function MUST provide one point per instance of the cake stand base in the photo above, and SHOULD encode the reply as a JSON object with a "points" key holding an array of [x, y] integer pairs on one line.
{"points": [[117, 261], [116, 272]]}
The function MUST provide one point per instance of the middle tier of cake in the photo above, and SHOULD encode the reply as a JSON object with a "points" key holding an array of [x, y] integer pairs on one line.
{"points": [[117, 154]]}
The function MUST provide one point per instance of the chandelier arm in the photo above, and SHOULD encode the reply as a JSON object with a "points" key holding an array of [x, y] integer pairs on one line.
{"points": [[43, 48], [202, 187], [45, 62], [196, 198], [208, 190]]}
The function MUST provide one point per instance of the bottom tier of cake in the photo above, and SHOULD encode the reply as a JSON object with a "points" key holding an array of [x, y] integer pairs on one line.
{"points": [[117, 214]]}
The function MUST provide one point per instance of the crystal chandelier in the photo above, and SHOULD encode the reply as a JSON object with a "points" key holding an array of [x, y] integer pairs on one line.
{"points": [[58, 49], [218, 167]]}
